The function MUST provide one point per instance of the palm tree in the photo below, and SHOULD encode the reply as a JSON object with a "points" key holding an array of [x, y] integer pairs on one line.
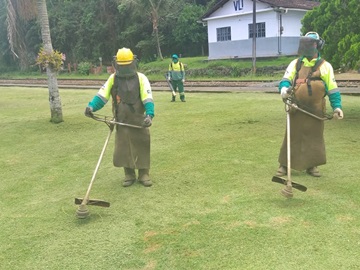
{"points": [[27, 9], [54, 96], [154, 10]]}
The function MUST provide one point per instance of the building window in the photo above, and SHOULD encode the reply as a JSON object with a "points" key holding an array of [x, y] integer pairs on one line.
{"points": [[223, 33], [260, 30]]}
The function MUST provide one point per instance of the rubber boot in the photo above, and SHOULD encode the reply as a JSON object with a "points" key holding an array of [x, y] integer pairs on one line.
{"points": [[130, 177], [182, 97], [173, 99], [144, 177], [313, 172], [281, 171]]}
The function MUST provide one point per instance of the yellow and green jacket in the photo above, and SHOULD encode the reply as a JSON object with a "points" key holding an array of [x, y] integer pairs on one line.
{"points": [[176, 71], [104, 94], [326, 75]]}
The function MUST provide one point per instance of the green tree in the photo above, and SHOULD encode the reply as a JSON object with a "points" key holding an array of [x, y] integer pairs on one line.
{"points": [[350, 44], [95, 24], [151, 28], [188, 22], [153, 11], [338, 23], [137, 32]]}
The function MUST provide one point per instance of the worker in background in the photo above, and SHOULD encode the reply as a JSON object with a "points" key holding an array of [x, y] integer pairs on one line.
{"points": [[176, 76]]}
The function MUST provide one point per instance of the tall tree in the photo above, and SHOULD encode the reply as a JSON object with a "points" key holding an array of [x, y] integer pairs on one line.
{"points": [[154, 10], [154, 14], [54, 96], [96, 26], [188, 22], [28, 9]]}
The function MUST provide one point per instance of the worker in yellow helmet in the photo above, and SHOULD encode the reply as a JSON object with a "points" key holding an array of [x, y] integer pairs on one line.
{"points": [[133, 104]]}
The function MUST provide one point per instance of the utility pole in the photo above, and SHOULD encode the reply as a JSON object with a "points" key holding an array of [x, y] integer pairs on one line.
{"points": [[254, 39]]}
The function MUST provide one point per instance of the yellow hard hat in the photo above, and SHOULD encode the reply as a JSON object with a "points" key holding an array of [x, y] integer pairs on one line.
{"points": [[124, 56]]}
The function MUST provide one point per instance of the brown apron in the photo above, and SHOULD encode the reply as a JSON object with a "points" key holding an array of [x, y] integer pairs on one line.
{"points": [[307, 144], [132, 145]]}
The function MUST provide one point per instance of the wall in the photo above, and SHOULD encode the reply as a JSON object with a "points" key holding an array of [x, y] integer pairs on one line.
{"points": [[243, 48], [240, 45]]}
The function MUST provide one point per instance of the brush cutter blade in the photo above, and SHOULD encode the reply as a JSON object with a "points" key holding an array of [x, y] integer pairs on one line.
{"points": [[93, 202], [283, 181]]}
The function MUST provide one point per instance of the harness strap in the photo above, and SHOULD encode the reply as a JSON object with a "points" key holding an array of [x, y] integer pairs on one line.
{"points": [[308, 79], [313, 69], [298, 67]]}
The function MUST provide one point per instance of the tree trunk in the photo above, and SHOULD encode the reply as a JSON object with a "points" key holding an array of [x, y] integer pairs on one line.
{"points": [[155, 19], [158, 44], [54, 97]]}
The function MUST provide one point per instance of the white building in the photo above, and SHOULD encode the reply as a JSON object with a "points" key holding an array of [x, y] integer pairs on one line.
{"points": [[278, 23]]}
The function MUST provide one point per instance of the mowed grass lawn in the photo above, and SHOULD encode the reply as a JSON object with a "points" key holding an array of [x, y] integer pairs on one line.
{"points": [[212, 205]]}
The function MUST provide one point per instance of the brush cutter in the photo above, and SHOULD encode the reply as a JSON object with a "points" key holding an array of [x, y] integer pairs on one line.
{"points": [[170, 85], [82, 211], [287, 191]]}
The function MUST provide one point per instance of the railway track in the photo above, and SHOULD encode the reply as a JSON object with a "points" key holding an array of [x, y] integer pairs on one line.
{"points": [[190, 83]]}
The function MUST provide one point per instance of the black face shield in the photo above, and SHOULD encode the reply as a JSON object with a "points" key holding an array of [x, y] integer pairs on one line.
{"points": [[126, 71], [307, 47]]}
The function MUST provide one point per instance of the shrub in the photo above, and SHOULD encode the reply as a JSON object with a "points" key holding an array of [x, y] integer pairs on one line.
{"points": [[84, 68]]}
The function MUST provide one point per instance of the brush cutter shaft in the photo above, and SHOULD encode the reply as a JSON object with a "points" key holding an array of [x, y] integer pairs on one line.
{"points": [[287, 191], [287, 102], [86, 197], [112, 122], [288, 146], [123, 124]]}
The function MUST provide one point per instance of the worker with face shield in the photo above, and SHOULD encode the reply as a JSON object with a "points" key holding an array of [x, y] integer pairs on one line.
{"points": [[307, 81], [133, 107]]}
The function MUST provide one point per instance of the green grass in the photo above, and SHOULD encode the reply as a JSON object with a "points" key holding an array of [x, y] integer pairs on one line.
{"points": [[217, 69], [203, 62], [212, 205]]}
